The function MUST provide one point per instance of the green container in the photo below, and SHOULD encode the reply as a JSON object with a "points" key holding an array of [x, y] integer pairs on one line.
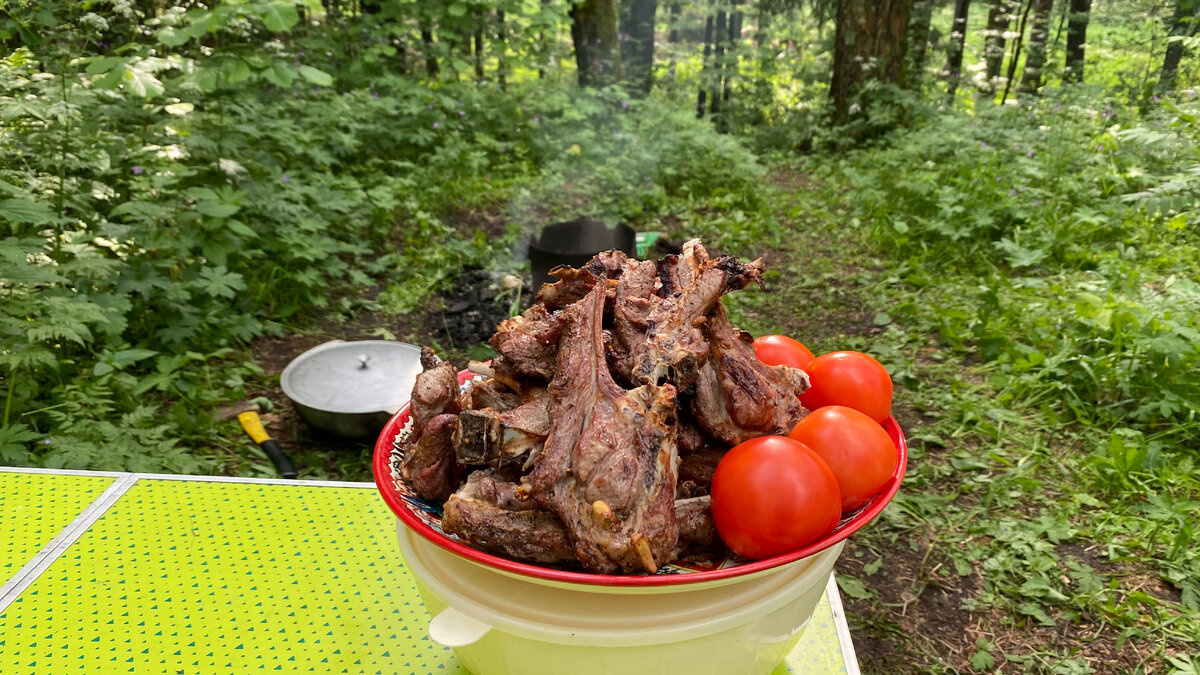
{"points": [[644, 241]]}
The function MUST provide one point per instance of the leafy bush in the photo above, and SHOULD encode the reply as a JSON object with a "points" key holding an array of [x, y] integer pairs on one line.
{"points": [[1075, 225]]}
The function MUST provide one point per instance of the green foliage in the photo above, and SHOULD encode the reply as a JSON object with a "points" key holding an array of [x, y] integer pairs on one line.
{"points": [[166, 200], [1079, 234]]}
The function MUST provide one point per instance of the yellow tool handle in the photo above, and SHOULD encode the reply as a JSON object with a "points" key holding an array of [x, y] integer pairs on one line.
{"points": [[253, 426]]}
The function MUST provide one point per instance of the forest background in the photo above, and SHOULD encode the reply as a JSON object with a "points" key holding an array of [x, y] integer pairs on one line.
{"points": [[997, 198]]}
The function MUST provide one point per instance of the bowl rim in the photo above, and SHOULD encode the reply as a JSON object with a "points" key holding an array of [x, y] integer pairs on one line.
{"points": [[381, 468]]}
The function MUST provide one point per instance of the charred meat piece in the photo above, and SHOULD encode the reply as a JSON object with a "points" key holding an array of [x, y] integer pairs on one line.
{"points": [[528, 343], [486, 513], [489, 393], [504, 438], [694, 517], [573, 284], [429, 464], [690, 438], [697, 467], [675, 349], [434, 393], [739, 397], [633, 301], [608, 465]]}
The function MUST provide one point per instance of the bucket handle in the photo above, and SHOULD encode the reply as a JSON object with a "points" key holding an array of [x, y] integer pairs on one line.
{"points": [[452, 628]]}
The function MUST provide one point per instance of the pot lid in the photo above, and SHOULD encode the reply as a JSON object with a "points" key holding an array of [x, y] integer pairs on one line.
{"points": [[363, 376]]}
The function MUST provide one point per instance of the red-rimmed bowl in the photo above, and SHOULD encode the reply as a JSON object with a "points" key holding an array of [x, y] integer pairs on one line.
{"points": [[424, 518]]}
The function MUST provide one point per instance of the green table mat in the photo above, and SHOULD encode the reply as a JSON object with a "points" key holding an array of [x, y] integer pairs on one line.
{"points": [[222, 577], [35, 508]]}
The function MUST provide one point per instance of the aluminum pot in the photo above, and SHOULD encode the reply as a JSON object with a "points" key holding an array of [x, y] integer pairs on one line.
{"points": [[351, 388]]}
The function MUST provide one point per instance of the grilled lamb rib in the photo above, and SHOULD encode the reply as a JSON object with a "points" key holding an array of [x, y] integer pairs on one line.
{"points": [[504, 438], [527, 344], [489, 393], [429, 464], [608, 466], [675, 348], [435, 392], [486, 512], [573, 284], [739, 397]]}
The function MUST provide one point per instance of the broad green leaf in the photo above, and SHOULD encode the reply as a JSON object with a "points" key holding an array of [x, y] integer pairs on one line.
{"points": [[171, 37], [240, 228], [316, 76], [280, 17], [14, 440], [112, 80], [456, 9], [280, 74], [205, 78], [235, 71], [141, 83], [982, 661], [853, 587], [103, 64], [217, 209], [25, 211], [220, 282]]}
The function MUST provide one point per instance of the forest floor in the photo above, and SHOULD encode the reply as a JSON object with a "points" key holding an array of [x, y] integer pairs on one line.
{"points": [[916, 614]]}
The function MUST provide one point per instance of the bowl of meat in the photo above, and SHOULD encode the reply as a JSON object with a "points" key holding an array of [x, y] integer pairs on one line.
{"points": [[579, 460]]}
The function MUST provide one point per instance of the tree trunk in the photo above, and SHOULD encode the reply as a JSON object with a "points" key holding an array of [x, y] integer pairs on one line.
{"points": [[1000, 16], [958, 34], [1184, 22], [735, 37], [714, 105], [705, 66], [869, 44], [431, 63], [1077, 23], [918, 40], [501, 49], [672, 38], [478, 50], [594, 32], [637, 51], [1016, 55], [1035, 58], [673, 22]]}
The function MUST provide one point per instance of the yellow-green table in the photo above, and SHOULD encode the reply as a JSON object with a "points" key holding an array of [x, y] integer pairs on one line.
{"points": [[135, 573]]}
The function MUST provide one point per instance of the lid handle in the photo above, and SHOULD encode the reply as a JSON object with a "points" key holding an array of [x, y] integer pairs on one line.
{"points": [[452, 628], [362, 360]]}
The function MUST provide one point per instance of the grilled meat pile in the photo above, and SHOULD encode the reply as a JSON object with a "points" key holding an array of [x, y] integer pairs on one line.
{"points": [[593, 438]]}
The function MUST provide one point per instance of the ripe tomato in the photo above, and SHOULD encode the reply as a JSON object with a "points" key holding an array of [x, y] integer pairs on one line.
{"points": [[855, 447], [772, 495], [781, 350], [852, 379]]}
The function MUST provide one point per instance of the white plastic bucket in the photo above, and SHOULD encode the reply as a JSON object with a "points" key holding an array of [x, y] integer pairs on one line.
{"points": [[501, 625]]}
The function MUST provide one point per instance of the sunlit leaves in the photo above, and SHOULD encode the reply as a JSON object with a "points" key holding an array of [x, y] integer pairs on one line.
{"points": [[279, 17], [316, 76], [219, 282], [25, 211]]}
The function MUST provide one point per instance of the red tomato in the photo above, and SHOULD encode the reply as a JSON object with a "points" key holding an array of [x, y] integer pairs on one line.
{"points": [[855, 447], [852, 379], [781, 350], [772, 495]]}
